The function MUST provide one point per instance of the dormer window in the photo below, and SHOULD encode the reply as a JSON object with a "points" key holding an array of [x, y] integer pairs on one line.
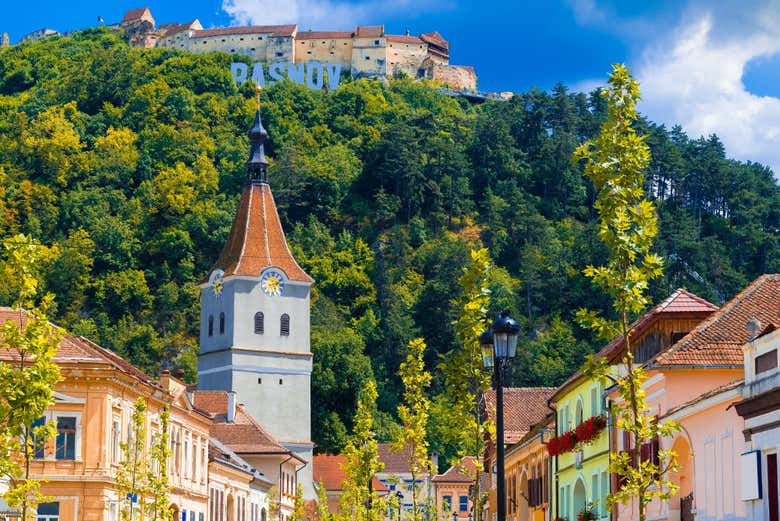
{"points": [[211, 325], [259, 323], [284, 325], [766, 362], [222, 323]]}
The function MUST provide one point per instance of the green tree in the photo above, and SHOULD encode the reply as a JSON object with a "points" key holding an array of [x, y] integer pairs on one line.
{"points": [[358, 500], [323, 512], [299, 506], [412, 439], [27, 382], [158, 504], [131, 475], [465, 380], [616, 161]]}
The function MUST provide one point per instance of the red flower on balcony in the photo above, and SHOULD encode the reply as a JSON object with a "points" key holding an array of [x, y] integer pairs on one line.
{"points": [[583, 434]]}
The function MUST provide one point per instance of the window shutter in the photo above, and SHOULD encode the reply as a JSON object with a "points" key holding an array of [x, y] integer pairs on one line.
{"points": [[284, 325], [259, 323]]}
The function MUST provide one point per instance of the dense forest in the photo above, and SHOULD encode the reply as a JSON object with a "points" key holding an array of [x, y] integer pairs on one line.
{"points": [[130, 162]]}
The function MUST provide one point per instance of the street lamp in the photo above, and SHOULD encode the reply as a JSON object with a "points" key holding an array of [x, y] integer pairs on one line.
{"points": [[454, 516], [400, 496], [503, 334]]}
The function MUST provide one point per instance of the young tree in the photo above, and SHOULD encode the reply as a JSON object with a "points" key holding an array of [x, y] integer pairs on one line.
{"points": [[131, 475], [299, 506], [158, 504], [616, 161], [358, 501], [323, 513], [464, 376], [413, 413], [27, 382]]}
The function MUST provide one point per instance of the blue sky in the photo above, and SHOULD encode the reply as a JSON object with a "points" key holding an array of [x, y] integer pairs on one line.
{"points": [[713, 67]]}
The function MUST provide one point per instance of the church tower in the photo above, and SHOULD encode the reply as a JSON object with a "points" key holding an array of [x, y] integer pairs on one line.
{"points": [[254, 319]]}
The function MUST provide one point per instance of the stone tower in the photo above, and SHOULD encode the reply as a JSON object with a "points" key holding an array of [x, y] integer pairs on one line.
{"points": [[254, 320]]}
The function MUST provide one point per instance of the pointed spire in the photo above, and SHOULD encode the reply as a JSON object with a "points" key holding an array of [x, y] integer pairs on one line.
{"points": [[257, 166]]}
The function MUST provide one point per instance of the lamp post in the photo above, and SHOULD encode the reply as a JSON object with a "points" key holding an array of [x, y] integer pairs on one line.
{"points": [[499, 346], [400, 496]]}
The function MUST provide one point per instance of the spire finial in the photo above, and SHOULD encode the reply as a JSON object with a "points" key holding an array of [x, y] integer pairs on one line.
{"points": [[257, 166]]}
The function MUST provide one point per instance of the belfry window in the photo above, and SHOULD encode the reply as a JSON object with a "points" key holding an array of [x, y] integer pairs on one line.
{"points": [[211, 325], [259, 323], [284, 325], [222, 323]]}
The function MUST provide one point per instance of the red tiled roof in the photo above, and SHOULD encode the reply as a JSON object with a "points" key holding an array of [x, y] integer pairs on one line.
{"points": [[322, 35], [134, 14], [718, 340], [436, 39], [404, 39], [274, 30], [369, 31], [256, 239], [329, 470], [523, 408], [465, 471], [681, 301], [74, 349], [244, 435], [396, 462]]}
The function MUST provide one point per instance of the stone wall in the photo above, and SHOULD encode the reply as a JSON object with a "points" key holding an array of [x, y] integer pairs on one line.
{"points": [[458, 77]]}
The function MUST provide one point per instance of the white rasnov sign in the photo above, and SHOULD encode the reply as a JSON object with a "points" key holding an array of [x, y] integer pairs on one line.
{"points": [[312, 74]]}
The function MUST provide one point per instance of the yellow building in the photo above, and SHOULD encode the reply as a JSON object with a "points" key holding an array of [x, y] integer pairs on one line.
{"points": [[527, 471], [524, 408], [452, 490]]}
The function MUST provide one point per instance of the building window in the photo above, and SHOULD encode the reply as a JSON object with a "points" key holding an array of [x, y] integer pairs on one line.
{"points": [[594, 401], [279, 54], [66, 438], [766, 362], [222, 323], [368, 58], [284, 325], [376, 42], [38, 445], [446, 503], [211, 325], [463, 503], [115, 435], [48, 512]]}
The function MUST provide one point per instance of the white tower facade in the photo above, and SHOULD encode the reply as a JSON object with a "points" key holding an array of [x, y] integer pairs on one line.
{"points": [[255, 325]]}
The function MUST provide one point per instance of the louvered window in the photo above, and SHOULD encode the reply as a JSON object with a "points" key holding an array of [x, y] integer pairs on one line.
{"points": [[222, 323], [284, 325], [211, 325], [259, 323]]}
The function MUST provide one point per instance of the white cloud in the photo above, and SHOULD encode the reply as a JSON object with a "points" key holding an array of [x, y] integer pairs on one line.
{"points": [[319, 14], [695, 80]]}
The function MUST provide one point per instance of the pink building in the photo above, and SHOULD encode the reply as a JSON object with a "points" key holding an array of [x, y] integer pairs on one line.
{"points": [[696, 383]]}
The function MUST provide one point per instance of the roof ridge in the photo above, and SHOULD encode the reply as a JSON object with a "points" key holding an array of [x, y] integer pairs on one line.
{"points": [[715, 317]]}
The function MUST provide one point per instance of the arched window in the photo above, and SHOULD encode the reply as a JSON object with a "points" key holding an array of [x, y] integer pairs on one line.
{"points": [[211, 325], [222, 323], [578, 412], [259, 323], [284, 325]]}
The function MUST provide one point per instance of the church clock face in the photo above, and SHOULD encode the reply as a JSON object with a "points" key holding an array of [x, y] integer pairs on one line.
{"points": [[272, 283], [216, 282]]}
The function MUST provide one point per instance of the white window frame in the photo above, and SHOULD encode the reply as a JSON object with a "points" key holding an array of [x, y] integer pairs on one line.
{"points": [[77, 449]]}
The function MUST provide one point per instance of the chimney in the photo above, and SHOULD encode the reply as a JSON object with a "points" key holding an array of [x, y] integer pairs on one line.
{"points": [[231, 406]]}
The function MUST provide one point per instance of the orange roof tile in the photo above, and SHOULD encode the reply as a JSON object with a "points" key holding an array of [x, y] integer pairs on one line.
{"points": [[396, 462], [244, 435], [465, 471], [273, 30], [718, 340], [369, 31], [75, 349], [523, 408], [322, 35], [256, 239], [404, 39], [436, 39], [328, 469], [134, 14], [681, 302]]}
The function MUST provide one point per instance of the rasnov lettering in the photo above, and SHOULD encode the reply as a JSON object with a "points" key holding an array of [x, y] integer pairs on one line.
{"points": [[310, 73]]}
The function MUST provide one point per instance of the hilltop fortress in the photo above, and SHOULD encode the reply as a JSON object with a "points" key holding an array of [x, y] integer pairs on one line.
{"points": [[365, 52]]}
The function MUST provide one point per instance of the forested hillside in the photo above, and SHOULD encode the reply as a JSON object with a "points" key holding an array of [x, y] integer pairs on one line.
{"points": [[130, 162]]}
